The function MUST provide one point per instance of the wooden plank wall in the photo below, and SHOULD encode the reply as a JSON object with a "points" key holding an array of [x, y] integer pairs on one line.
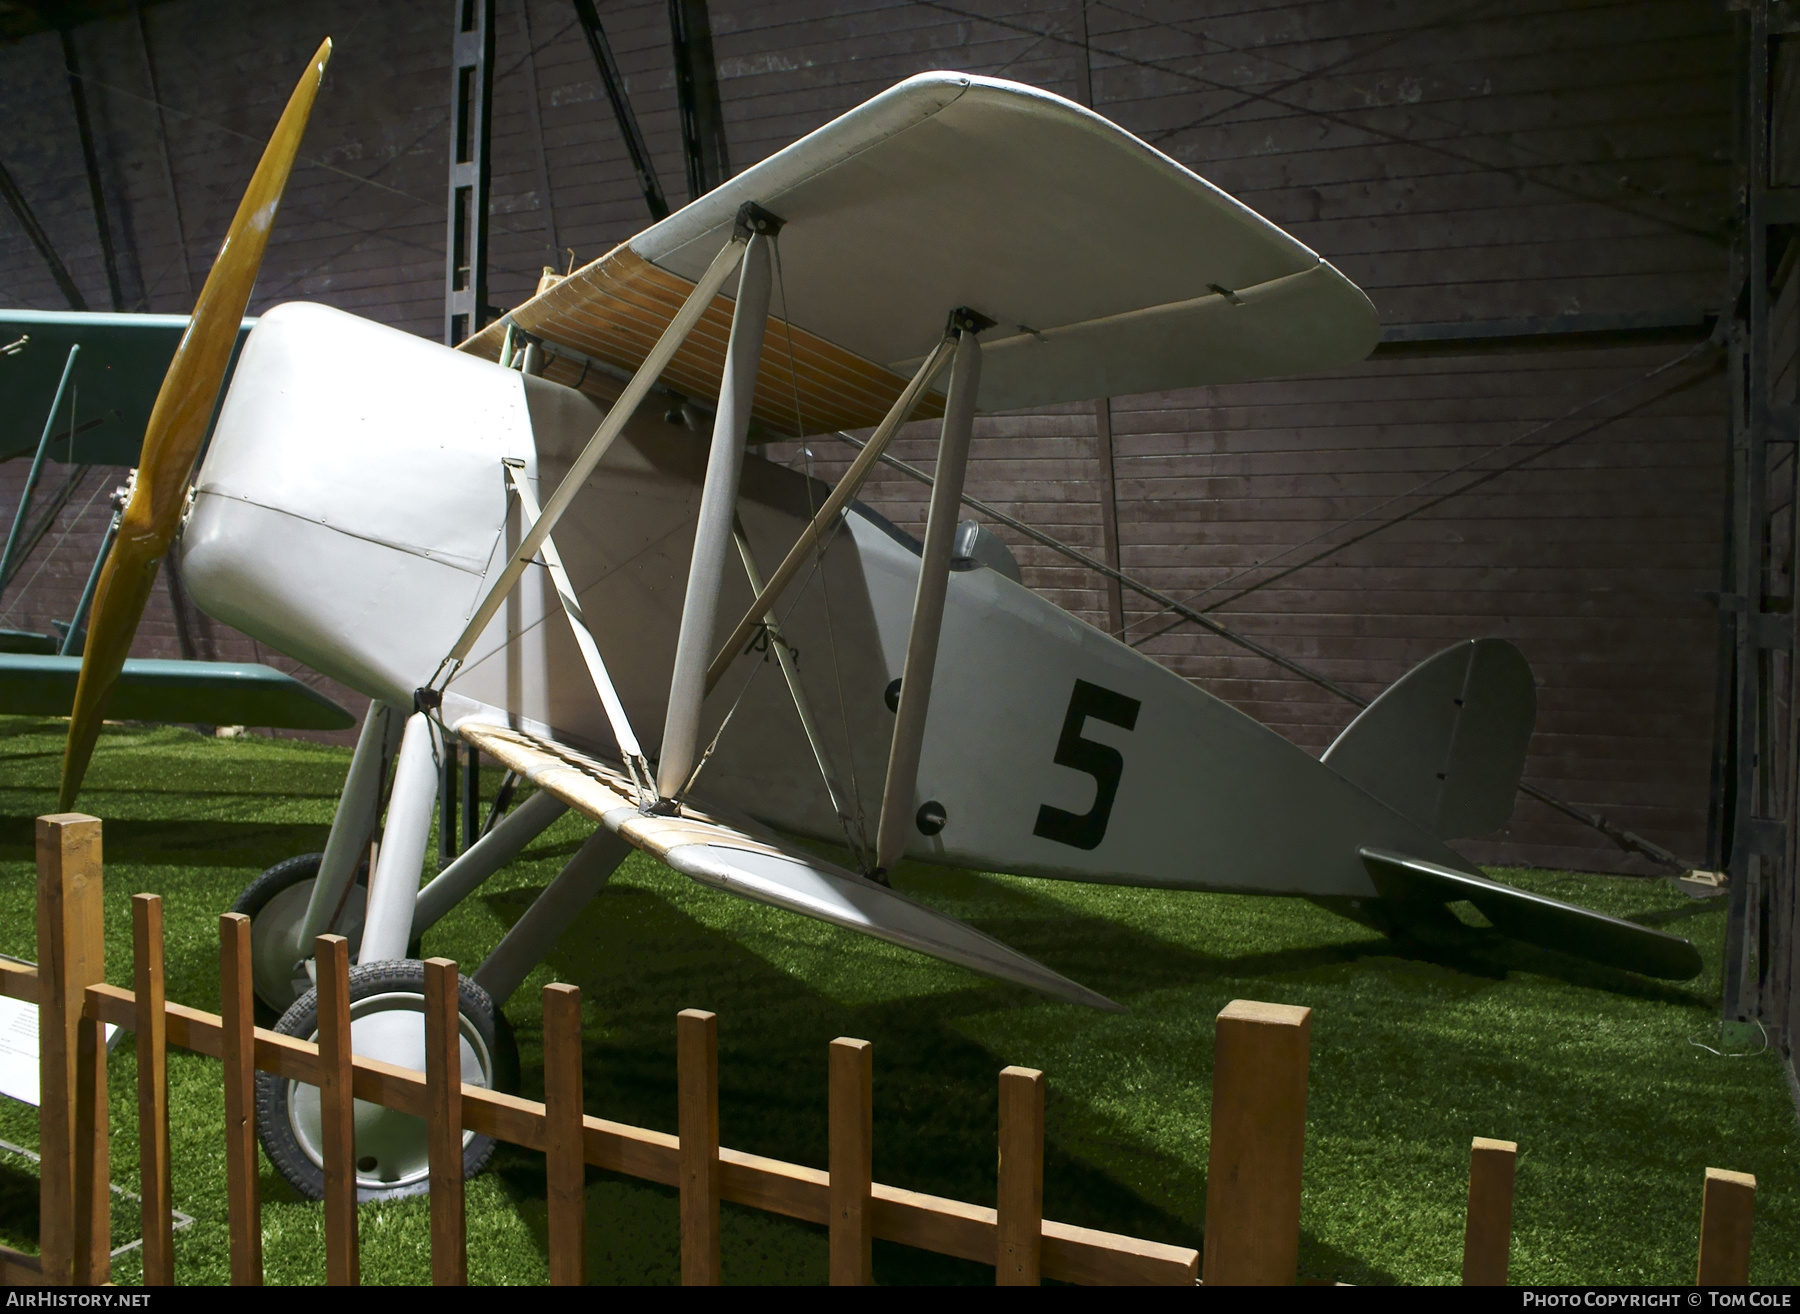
{"points": [[1464, 161]]}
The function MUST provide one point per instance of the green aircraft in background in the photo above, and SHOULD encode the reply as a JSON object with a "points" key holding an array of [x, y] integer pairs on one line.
{"points": [[77, 390]]}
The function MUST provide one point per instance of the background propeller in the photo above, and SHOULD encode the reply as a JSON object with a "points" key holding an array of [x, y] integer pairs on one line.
{"points": [[177, 427]]}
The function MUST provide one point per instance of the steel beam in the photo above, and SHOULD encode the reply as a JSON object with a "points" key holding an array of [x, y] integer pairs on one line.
{"points": [[449, 791], [697, 94], [1759, 773], [91, 159], [1634, 328], [601, 49], [471, 132], [162, 144], [21, 208]]}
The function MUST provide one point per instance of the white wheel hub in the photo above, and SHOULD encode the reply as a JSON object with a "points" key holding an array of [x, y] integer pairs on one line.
{"points": [[391, 1148], [279, 977]]}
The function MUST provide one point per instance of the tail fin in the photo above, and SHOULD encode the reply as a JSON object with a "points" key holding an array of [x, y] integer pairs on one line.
{"points": [[1444, 745]]}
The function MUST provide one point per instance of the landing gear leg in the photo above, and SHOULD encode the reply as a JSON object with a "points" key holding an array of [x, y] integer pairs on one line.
{"points": [[534, 934]]}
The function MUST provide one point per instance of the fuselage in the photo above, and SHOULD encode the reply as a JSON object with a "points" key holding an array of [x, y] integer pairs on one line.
{"points": [[354, 502]]}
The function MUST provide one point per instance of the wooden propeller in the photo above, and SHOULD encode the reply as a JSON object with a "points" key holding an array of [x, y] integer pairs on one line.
{"points": [[177, 427]]}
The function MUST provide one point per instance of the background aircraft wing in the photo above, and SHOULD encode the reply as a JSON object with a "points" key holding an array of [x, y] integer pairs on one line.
{"points": [[1109, 268], [742, 859], [206, 693], [122, 363]]}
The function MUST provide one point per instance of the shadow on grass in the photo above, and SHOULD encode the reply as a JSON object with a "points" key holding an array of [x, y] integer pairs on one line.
{"points": [[1698, 908], [639, 960], [18, 1206], [180, 843], [1487, 953]]}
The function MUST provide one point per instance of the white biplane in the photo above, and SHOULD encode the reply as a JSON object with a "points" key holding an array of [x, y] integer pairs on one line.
{"points": [[503, 546]]}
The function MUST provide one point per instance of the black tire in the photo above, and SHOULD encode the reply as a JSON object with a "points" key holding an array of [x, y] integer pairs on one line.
{"points": [[277, 880], [394, 1168], [506, 1056], [289, 871]]}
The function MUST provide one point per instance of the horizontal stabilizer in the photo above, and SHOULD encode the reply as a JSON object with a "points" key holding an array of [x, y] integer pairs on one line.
{"points": [[1535, 919], [743, 859], [204, 693]]}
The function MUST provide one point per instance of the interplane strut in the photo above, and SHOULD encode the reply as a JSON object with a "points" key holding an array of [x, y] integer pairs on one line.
{"points": [[718, 508], [928, 601]]}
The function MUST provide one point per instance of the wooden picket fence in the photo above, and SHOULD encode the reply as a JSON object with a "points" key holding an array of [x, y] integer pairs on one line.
{"points": [[1253, 1188]]}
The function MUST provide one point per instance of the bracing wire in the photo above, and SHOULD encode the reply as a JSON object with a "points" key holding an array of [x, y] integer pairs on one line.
{"points": [[51, 554], [855, 827], [1545, 449]]}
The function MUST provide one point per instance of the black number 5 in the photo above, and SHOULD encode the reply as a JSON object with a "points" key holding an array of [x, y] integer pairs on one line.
{"points": [[1100, 761]]}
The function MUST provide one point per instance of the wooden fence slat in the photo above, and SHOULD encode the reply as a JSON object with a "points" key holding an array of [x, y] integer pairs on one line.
{"points": [[913, 1218], [1487, 1235], [927, 1222], [1019, 1216], [20, 1270], [1727, 1210], [237, 1049], [505, 1117], [444, 1129], [337, 1112], [850, 1096], [18, 981], [1260, 1054], [697, 1120], [565, 1171], [156, 1219], [75, 1206]]}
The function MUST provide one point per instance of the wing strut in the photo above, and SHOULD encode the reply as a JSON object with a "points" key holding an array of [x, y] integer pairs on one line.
{"points": [[791, 674], [839, 497], [928, 600], [629, 751], [610, 428], [718, 507]]}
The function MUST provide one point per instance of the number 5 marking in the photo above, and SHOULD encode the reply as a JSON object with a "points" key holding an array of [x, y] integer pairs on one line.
{"points": [[1101, 761]]}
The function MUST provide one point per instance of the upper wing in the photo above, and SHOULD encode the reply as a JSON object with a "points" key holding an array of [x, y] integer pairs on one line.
{"points": [[1110, 268], [762, 866]]}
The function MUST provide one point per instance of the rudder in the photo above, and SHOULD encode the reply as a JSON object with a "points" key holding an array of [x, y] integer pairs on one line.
{"points": [[1444, 745]]}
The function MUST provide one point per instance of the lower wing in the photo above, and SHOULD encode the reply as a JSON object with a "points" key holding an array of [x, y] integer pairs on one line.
{"points": [[745, 860]]}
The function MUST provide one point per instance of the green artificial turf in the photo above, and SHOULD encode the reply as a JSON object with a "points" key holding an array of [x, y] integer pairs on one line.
{"points": [[1592, 1072]]}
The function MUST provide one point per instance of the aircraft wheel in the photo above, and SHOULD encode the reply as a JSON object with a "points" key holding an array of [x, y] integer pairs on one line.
{"points": [[275, 903], [387, 1006]]}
